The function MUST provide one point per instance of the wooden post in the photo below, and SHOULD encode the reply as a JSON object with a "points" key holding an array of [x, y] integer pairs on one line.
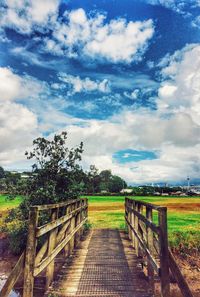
{"points": [[132, 224], [72, 226], [82, 216], [77, 222], [150, 270], [125, 206], [67, 247], [51, 245], [137, 208], [129, 219], [164, 253], [30, 253]]}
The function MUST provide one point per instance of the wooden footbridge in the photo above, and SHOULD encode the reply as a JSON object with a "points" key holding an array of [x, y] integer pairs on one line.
{"points": [[103, 262]]}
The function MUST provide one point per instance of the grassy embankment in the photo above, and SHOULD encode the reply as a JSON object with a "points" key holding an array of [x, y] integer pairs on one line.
{"points": [[108, 212]]}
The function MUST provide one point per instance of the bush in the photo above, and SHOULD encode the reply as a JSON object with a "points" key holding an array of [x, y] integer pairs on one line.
{"points": [[17, 232]]}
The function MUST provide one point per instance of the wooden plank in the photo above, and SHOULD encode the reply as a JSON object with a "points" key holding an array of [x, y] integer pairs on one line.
{"points": [[147, 252], [77, 220], [184, 288], [164, 254], [132, 233], [66, 248], [62, 232], [41, 252], [50, 226], [30, 254], [51, 246], [150, 205], [146, 221], [56, 205], [150, 270], [136, 232], [13, 277], [71, 242], [55, 252]]}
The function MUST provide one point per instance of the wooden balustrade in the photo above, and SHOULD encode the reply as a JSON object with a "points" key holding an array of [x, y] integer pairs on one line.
{"points": [[147, 228], [62, 232]]}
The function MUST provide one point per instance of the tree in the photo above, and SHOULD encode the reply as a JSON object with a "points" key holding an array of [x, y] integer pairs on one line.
{"points": [[2, 172], [93, 180], [116, 184], [56, 172], [56, 177]]}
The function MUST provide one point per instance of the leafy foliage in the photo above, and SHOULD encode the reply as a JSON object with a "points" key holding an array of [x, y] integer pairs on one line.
{"points": [[55, 177], [56, 173], [96, 182]]}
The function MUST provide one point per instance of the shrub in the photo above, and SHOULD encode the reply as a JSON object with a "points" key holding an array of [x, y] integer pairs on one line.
{"points": [[17, 232]]}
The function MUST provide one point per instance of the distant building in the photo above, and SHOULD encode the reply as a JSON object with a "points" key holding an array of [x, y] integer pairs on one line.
{"points": [[156, 194], [126, 191]]}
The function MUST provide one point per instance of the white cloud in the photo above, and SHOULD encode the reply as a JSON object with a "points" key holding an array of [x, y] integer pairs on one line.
{"points": [[18, 127], [176, 5], [180, 90], [84, 85], [116, 41], [18, 124], [14, 87], [132, 95], [173, 129], [26, 16], [10, 84]]}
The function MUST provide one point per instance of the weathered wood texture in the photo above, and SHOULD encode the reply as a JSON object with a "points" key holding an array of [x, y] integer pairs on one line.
{"points": [[60, 231], [151, 241], [106, 265], [13, 277]]}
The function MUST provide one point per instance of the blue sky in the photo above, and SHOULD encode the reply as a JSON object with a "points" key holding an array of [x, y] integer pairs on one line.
{"points": [[121, 76]]}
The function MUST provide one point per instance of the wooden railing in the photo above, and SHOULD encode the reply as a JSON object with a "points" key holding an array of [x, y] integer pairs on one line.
{"points": [[147, 229], [62, 231]]}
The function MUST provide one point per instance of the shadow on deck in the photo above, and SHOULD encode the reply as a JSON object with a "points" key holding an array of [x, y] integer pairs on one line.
{"points": [[105, 264]]}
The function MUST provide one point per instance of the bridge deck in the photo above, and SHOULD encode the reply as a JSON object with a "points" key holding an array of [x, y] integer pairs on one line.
{"points": [[104, 265]]}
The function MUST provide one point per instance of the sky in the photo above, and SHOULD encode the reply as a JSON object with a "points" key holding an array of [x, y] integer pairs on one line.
{"points": [[121, 76]]}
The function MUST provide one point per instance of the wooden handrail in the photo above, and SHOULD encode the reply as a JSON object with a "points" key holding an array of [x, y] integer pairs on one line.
{"points": [[185, 290], [56, 205], [63, 231], [13, 277], [153, 241]]}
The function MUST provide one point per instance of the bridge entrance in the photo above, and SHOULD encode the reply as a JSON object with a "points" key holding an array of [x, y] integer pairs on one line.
{"points": [[104, 262]]}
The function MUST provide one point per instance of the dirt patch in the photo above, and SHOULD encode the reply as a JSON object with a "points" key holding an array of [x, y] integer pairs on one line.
{"points": [[110, 207], [190, 267], [195, 207]]}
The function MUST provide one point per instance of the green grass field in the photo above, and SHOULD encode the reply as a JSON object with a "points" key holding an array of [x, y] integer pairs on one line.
{"points": [[6, 203], [108, 212], [183, 216]]}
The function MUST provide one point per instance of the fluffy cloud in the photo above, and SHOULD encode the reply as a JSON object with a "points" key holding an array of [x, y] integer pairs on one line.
{"points": [[179, 93], [10, 84], [18, 124], [116, 41], [176, 139], [14, 87], [84, 85], [173, 129], [25, 16]]}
